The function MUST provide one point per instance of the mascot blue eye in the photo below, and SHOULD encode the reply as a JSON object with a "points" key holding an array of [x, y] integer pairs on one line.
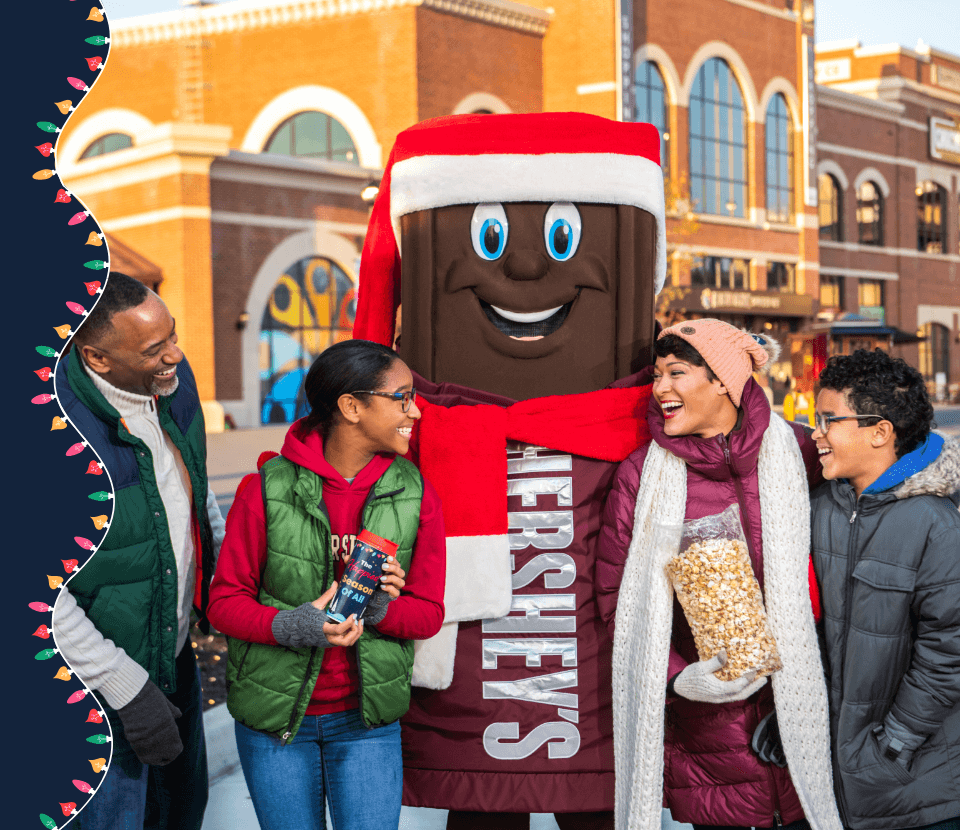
{"points": [[561, 230], [488, 230]]}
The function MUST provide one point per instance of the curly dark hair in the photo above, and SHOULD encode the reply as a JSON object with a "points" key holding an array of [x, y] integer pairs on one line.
{"points": [[876, 384], [678, 347]]}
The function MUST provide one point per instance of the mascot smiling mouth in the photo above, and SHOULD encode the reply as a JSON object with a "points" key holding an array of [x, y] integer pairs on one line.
{"points": [[533, 326]]}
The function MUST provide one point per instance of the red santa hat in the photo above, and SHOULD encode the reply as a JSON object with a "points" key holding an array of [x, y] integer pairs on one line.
{"points": [[469, 159]]}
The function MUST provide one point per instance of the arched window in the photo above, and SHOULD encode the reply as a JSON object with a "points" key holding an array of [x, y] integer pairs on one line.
{"points": [[718, 142], [869, 214], [109, 143], [312, 306], [935, 352], [779, 158], [830, 208], [650, 106], [931, 217], [313, 135]]}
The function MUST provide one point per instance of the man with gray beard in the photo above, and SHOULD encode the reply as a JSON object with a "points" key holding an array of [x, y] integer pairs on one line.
{"points": [[122, 620]]}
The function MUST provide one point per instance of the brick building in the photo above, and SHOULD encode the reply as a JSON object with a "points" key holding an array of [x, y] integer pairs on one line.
{"points": [[230, 145], [889, 177]]}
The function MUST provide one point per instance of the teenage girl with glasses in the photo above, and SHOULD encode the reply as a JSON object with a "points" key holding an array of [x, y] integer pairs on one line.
{"points": [[317, 703]]}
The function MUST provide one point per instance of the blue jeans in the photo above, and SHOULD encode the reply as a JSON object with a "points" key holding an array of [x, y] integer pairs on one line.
{"points": [[134, 796], [359, 771]]}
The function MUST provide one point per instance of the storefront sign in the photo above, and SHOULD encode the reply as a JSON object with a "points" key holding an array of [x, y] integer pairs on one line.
{"points": [[837, 69], [945, 139], [713, 300], [874, 312]]}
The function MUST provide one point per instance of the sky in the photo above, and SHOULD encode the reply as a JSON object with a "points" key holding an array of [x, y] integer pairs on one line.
{"points": [[872, 22]]}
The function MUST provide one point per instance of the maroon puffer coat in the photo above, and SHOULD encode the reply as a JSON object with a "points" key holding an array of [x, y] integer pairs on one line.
{"points": [[711, 776]]}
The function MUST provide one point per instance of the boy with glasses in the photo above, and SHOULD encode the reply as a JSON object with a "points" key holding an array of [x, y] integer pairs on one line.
{"points": [[886, 540]]}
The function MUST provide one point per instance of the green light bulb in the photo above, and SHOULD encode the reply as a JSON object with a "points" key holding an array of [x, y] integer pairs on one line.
{"points": [[46, 351], [100, 495], [47, 127], [48, 822], [46, 654], [95, 264], [97, 739], [97, 40]]}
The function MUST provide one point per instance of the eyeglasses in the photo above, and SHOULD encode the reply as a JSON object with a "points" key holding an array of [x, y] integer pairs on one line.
{"points": [[405, 398], [824, 421]]}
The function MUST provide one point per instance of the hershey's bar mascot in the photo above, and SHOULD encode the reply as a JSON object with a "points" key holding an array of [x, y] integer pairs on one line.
{"points": [[527, 251]]}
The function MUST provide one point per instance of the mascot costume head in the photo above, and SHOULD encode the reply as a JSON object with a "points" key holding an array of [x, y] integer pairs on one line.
{"points": [[526, 250]]}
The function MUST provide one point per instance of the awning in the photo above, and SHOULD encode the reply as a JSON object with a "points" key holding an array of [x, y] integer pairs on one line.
{"points": [[864, 328], [127, 261]]}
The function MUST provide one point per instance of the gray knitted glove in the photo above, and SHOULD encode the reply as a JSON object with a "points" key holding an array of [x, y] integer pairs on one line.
{"points": [[300, 628], [698, 682], [150, 727], [896, 741], [377, 607]]}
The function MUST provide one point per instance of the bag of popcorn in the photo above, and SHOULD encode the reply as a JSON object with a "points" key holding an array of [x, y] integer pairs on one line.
{"points": [[720, 596]]}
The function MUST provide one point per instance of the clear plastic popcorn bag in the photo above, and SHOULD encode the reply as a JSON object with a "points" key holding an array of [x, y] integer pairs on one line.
{"points": [[720, 596]]}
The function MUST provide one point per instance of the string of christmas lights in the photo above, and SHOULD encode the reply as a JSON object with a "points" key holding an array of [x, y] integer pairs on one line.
{"points": [[47, 374]]}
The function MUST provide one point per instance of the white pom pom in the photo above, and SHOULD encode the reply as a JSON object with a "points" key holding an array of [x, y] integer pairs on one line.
{"points": [[770, 346]]}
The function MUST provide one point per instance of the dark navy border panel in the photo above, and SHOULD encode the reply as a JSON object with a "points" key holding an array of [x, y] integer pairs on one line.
{"points": [[45, 494]]}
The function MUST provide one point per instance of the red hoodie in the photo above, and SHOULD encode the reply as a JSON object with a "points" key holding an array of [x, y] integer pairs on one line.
{"points": [[415, 615]]}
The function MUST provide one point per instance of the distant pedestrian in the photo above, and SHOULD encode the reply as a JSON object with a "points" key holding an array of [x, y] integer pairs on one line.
{"points": [[317, 703], [886, 543]]}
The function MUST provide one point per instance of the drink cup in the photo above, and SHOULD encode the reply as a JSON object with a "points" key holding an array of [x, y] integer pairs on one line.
{"points": [[362, 576]]}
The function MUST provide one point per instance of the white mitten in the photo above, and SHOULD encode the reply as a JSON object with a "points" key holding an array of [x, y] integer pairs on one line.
{"points": [[698, 682]]}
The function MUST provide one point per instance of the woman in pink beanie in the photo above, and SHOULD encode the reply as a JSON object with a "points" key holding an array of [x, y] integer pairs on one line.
{"points": [[720, 758]]}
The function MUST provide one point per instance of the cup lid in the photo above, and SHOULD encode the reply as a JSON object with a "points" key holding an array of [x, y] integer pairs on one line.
{"points": [[378, 542]]}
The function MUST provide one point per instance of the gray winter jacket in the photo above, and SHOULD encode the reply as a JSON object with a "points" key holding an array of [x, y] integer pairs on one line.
{"points": [[888, 565]]}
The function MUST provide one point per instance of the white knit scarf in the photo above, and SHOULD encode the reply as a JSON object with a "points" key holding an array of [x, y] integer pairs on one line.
{"points": [[645, 619]]}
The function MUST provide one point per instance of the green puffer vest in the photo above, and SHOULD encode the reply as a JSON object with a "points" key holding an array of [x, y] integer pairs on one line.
{"points": [[269, 687], [129, 588]]}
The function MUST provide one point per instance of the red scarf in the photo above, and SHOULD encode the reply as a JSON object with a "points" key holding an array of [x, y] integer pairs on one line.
{"points": [[462, 449]]}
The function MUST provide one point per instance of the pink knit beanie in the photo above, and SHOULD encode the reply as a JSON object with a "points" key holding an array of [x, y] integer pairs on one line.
{"points": [[731, 353]]}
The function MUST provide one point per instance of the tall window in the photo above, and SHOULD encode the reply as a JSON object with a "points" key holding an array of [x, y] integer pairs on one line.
{"points": [[870, 296], [931, 218], [719, 272], [109, 143], [869, 214], [312, 306], [779, 158], [935, 351], [830, 208], [831, 292], [313, 135], [718, 142], [650, 97], [782, 276]]}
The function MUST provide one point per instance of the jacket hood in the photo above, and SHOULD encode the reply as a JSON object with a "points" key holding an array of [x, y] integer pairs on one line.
{"points": [[705, 455], [939, 477], [305, 447]]}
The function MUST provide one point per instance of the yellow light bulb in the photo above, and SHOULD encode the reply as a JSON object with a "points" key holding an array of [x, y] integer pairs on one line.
{"points": [[95, 14], [64, 106], [99, 521], [43, 174], [63, 674], [63, 331], [58, 423], [55, 581], [94, 239], [98, 764]]}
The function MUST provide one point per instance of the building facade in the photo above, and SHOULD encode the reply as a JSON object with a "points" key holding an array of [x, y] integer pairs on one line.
{"points": [[888, 174], [244, 183]]}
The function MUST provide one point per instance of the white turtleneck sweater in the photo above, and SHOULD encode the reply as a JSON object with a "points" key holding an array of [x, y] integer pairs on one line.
{"points": [[97, 661]]}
